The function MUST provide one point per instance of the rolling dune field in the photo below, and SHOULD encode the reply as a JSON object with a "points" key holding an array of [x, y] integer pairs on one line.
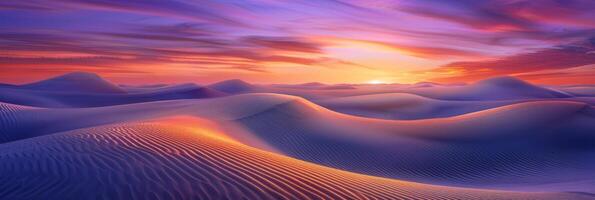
{"points": [[255, 145]]}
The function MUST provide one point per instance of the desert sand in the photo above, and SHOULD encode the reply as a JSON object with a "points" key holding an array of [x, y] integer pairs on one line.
{"points": [[501, 138]]}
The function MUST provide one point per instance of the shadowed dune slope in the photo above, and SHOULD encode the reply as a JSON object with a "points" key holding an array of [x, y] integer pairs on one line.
{"points": [[76, 82], [156, 161]]}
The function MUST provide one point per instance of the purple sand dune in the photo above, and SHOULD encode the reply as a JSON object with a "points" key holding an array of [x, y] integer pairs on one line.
{"points": [[75, 82], [425, 84], [493, 89], [338, 87], [61, 99], [156, 161], [310, 85], [315, 86], [580, 90], [233, 86], [4, 85], [497, 88], [527, 146], [506, 148], [500, 133], [142, 88], [405, 106]]}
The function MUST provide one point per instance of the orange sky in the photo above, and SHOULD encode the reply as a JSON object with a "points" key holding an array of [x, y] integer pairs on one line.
{"points": [[349, 41]]}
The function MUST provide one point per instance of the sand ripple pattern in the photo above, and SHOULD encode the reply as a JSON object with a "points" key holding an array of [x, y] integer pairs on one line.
{"points": [[553, 156], [156, 161]]}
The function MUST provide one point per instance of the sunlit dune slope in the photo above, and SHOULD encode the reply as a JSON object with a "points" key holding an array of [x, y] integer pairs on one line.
{"points": [[525, 146], [157, 161]]}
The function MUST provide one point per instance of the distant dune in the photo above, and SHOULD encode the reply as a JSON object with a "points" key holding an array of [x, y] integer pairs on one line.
{"points": [[143, 88], [76, 82], [407, 106], [498, 88], [315, 86], [309, 85], [580, 90], [233, 86], [67, 98], [338, 87]]}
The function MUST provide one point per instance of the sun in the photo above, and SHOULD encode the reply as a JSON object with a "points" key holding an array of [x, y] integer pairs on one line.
{"points": [[375, 82]]}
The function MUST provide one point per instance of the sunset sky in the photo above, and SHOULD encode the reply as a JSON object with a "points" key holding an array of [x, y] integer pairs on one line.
{"points": [[270, 41]]}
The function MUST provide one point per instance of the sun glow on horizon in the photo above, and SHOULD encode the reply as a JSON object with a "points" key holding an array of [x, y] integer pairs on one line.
{"points": [[376, 82]]}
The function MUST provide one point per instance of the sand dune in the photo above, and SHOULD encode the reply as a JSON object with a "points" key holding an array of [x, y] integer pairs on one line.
{"points": [[315, 86], [507, 147], [405, 106], [233, 86], [338, 87], [58, 99], [75, 82], [309, 85], [5, 85], [147, 87], [518, 146], [86, 135], [497, 88], [41, 121], [65, 91], [579, 90], [425, 84], [492, 89], [156, 161]]}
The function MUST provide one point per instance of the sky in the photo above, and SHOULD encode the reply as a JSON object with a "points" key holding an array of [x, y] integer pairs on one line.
{"points": [[298, 41]]}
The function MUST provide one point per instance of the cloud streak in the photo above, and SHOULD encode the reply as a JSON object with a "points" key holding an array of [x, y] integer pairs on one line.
{"points": [[529, 65], [459, 39]]}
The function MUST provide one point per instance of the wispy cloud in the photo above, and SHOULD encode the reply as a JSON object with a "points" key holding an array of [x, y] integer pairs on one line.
{"points": [[556, 58], [264, 37]]}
